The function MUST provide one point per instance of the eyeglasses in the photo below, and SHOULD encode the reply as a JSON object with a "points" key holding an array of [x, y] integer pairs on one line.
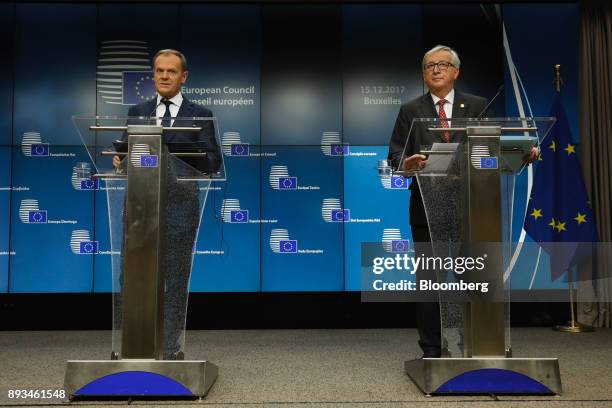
{"points": [[442, 66]]}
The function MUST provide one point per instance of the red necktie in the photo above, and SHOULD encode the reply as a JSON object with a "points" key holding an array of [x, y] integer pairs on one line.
{"points": [[443, 119]]}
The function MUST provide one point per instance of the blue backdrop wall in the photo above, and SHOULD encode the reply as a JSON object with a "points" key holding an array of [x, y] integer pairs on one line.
{"points": [[310, 76]]}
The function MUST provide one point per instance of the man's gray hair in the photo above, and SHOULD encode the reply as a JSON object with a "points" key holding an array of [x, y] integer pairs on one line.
{"points": [[172, 52], [455, 57]]}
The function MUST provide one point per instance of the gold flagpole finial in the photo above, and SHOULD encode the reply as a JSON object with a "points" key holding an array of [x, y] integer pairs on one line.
{"points": [[558, 79]]}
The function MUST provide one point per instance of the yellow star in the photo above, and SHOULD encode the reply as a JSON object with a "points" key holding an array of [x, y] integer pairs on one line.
{"points": [[552, 223], [570, 149], [553, 146], [560, 226], [536, 213], [580, 218]]}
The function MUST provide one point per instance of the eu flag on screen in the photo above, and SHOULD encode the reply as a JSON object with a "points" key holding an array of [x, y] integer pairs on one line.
{"points": [[558, 215], [138, 87]]}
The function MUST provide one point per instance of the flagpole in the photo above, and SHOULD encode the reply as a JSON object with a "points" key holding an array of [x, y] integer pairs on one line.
{"points": [[571, 326]]}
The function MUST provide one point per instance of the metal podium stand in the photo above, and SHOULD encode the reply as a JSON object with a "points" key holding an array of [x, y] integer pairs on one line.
{"points": [[155, 202], [467, 190]]}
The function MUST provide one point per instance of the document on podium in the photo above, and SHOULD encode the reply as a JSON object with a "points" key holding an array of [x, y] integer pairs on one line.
{"points": [[440, 156]]}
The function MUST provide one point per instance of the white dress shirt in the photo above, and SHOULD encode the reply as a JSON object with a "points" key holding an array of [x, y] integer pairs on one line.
{"points": [[448, 106], [176, 100]]}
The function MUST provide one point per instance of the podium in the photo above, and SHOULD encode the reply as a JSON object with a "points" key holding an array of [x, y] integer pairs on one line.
{"points": [[467, 189], [155, 199]]}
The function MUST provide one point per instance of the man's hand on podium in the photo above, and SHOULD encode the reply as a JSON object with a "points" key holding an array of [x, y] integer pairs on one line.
{"points": [[533, 155], [415, 162], [116, 161]]}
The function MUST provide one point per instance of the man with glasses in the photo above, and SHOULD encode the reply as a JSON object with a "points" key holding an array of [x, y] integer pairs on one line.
{"points": [[440, 70]]}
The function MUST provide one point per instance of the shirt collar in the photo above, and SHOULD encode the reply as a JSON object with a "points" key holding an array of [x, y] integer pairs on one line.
{"points": [[450, 98], [176, 99]]}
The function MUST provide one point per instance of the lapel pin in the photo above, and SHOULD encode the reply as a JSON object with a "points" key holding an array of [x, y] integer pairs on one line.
{"points": [[462, 105]]}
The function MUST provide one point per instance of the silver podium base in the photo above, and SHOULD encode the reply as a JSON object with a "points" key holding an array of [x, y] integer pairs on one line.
{"points": [[436, 376], [195, 376]]}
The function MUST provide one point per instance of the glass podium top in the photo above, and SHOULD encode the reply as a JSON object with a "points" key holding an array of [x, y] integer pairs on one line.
{"points": [[518, 136], [193, 142]]}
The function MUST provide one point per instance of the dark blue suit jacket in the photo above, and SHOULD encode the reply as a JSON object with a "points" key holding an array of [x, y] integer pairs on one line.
{"points": [[206, 137], [464, 106]]}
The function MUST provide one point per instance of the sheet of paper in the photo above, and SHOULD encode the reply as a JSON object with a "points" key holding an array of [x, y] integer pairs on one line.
{"points": [[440, 157]]}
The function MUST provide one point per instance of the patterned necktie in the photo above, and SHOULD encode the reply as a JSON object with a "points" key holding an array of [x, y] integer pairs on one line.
{"points": [[167, 116], [443, 119]]}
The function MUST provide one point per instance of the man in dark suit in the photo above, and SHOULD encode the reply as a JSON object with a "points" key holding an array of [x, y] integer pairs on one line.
{"points": [[183, 206], [169, 74], [440, 70]]}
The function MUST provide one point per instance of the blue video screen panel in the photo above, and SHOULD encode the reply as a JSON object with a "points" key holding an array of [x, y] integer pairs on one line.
{"points": [[376, 220], [48, 211], [7, 31], [227, 254], [50, 217], [102, 273], [301, 74], [381, 68], [301, 246], [46, 100], [5, 214], [223, 47]]}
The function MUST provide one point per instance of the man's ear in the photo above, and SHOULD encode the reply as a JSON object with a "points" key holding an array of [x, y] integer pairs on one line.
{"points": [[184, 79]]}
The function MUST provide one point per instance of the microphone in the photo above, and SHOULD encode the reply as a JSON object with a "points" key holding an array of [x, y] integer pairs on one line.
{"points": [[499, 91]]}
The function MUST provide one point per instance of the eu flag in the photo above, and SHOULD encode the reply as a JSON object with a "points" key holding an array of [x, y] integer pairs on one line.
{"points": [[138, 86], [558, 215]]}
